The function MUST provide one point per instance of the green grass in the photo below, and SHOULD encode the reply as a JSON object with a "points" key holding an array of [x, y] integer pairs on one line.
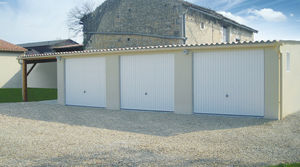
{"points": [[34, 94], [287, 165]]}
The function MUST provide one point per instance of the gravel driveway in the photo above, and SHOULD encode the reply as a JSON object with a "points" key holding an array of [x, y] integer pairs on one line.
{"points": [[39, 134]]}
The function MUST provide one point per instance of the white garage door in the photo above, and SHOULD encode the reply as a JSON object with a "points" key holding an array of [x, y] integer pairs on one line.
{"points": [[86, 82], [147, 82], [229, 82]]}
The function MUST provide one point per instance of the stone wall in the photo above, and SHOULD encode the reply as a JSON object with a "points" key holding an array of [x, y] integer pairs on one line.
{"points": [[130, 23], [243, 35], [120, 41], [200, 28], [155, 17]]}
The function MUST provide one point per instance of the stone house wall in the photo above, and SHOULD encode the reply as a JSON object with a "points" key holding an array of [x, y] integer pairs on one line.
{"points": [[130, 23], [200, 28]]}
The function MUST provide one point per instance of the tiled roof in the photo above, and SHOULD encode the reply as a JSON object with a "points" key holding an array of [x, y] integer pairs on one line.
{"points": [[9, 47], [189, 46]]}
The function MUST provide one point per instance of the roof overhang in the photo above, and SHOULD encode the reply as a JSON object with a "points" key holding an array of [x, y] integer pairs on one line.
{"points": [[170, 48], [217, 16]]}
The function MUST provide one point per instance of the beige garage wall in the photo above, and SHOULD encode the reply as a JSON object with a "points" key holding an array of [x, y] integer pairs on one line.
{"points": [[10, 70], [44, 75], [113, 82], [183, 83], [61, 82], [272, 83], [291, 78], [183, 79]]}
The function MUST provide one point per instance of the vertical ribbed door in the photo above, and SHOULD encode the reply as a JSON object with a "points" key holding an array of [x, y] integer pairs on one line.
{"points": [[147, 82], [229, 82]]}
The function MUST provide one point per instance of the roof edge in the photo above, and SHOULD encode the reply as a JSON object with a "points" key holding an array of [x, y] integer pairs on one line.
{"points": [[159, 47], [218, 16], [289, 42], [43, 43]]}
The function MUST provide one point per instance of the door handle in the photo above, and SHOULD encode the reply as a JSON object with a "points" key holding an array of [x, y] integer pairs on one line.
{"points": [[84, 91]]}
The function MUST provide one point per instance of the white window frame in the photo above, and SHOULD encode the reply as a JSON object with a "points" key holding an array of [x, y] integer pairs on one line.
{"points": [[288, 62], [202, 25], [225, 34]]}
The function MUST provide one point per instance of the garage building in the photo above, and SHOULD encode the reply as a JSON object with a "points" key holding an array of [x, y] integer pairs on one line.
{"points": [[246, 79]]}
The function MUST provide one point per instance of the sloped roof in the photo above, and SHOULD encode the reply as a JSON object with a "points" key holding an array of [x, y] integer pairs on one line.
{"points": [[9, 47], [46, 43], [145, 48], [216, 15], [67, 46]]}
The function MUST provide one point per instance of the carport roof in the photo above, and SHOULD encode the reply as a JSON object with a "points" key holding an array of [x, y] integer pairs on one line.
{"points": [[159, 47]]}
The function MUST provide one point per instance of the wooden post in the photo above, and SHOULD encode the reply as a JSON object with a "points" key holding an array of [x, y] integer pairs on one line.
{"points": [[24, 77]]}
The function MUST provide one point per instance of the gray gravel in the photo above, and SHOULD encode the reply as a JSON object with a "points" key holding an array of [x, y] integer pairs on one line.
{"points": [[46, 134]]}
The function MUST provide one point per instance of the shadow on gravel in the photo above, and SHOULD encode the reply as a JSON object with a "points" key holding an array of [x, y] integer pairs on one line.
{"points": [[150, 123]]}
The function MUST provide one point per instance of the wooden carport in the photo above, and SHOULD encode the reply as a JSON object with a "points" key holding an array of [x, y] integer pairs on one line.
{"points": [[25, 73]]}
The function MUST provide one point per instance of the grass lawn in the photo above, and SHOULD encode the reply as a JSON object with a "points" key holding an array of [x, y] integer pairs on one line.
{"points": [[34, 94], [288, 165]]}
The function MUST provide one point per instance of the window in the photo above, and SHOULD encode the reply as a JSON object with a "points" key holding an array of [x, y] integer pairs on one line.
{"points": [[288, 62], [202, 25], [225, 34]]}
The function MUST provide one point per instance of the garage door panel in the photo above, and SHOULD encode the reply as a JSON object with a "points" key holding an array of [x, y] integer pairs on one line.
{"points": [[229, 82], [147, 82], [86, 82]]}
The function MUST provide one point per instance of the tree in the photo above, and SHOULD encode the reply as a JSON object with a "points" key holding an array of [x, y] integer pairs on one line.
{"points": [[76, 15]]}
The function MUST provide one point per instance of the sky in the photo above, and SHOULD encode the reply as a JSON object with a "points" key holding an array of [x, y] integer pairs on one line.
{"points": [[23, 21]]}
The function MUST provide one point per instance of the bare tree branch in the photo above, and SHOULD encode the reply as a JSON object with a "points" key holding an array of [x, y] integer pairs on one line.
{"points": [[76, 15]]}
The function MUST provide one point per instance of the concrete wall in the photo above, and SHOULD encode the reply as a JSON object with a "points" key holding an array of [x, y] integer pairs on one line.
{"points": [[272, 84], [184, 83], [184, 80], [61, 98], [44, 75], [290, 78], [113, 82], [212, 31], [10, 70]]}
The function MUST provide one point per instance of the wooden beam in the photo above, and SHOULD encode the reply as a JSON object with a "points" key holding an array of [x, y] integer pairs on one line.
{"points": [[24, 81], [39, 58], [31, 69], [40, 61]]}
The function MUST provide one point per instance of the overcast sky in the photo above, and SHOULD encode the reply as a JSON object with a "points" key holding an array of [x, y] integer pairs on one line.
{"points": [[23, 21]]}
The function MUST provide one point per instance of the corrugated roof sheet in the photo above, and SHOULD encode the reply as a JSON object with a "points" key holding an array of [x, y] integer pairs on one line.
{"points": [[67, 46], [45, 43], [191, 46], [9, 47]]}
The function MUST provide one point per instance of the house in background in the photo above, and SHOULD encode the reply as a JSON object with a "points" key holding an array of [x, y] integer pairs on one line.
{"points": [[127, 23], [44, 75], [10, 69]]}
